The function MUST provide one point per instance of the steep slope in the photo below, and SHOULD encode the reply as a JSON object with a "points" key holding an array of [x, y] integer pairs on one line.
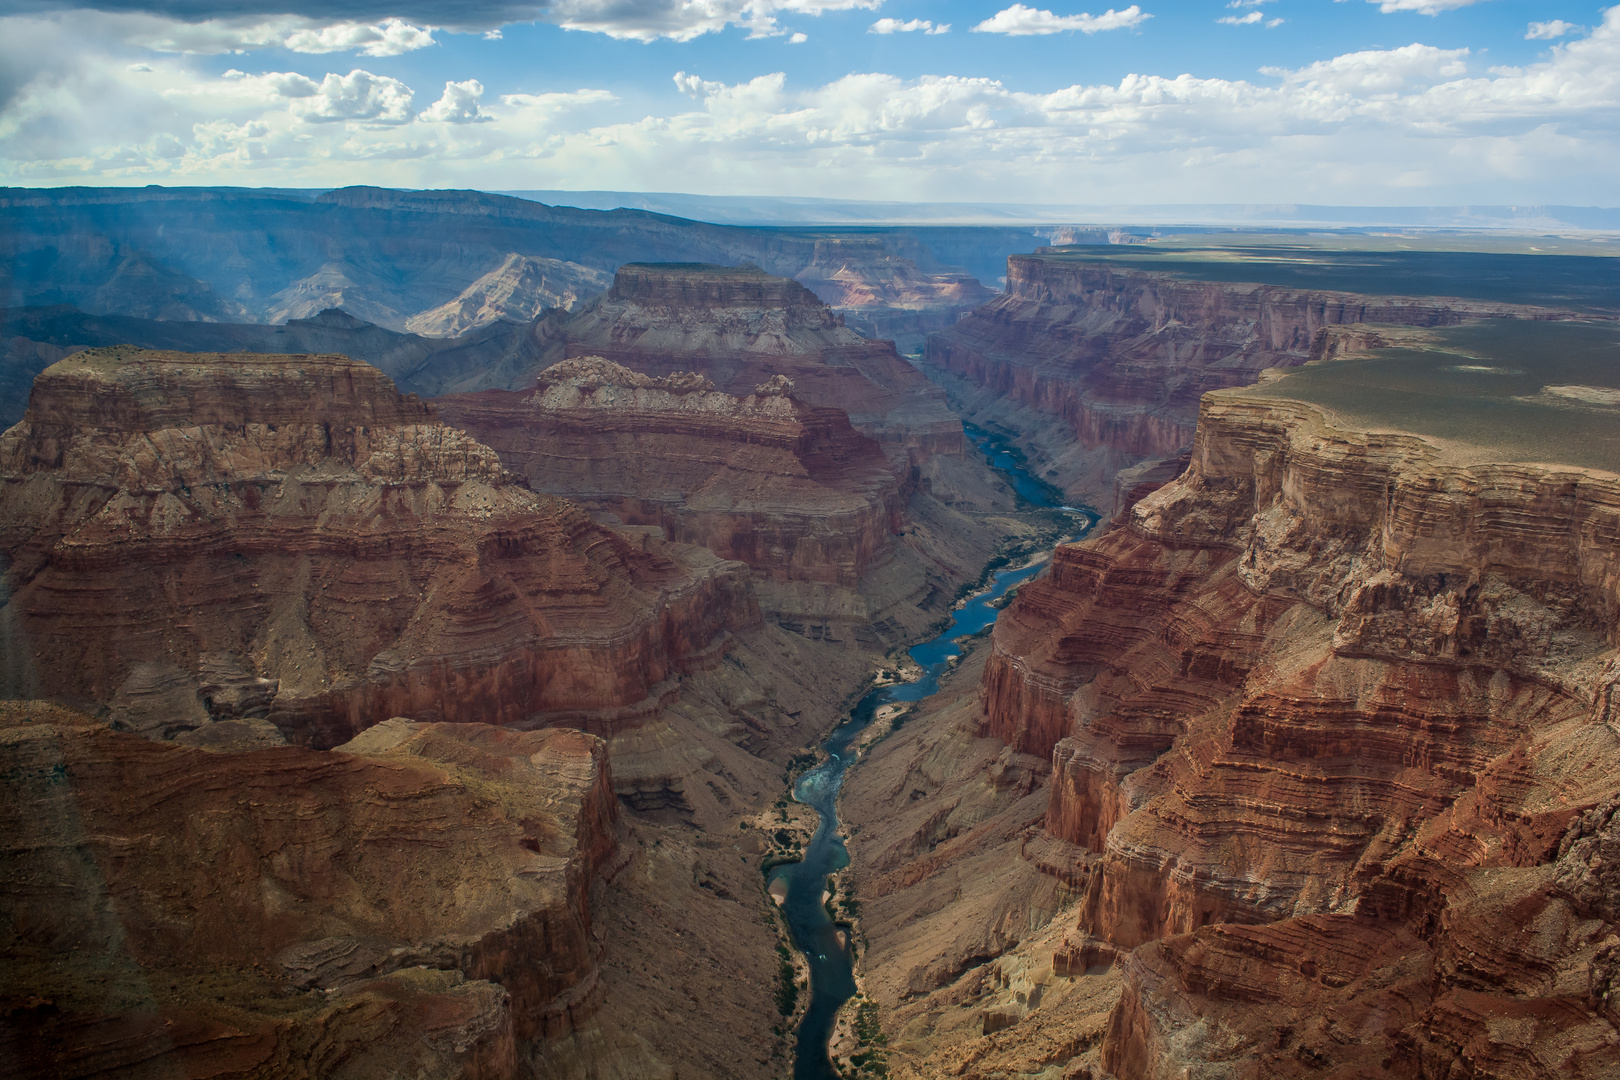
{"points": [[882, 295], [192, 538], [790, 489], [738, 327], [1327, 720], [517, 290], [416, 903], [1120, 355]]}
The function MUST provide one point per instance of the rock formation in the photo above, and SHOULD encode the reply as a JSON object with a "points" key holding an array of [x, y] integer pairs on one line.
{"points": [[1332, 774], [417, 902], [882, 295], [1121, 356], [788, 488], [517, 290], [739, 327], [195, 538]]}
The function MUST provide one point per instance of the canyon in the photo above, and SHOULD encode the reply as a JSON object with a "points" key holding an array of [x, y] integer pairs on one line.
{"points": [[383, 702], [1304, 766], [1120, 353]]}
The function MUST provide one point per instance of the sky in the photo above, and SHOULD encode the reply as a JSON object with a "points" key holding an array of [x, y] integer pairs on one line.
{"points": [[1354, 102]]}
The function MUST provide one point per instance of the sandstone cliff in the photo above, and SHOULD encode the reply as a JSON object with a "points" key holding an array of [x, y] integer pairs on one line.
{"points": [[1332, 773], [739, 327], [416, 903], [517, 290], [788, 488], [195, 538], [1120, 356]]}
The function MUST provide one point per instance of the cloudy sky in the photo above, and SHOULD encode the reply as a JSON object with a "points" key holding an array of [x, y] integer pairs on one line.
{"points": [[1373, 102]]}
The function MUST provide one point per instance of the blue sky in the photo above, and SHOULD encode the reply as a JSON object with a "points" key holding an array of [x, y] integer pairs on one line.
{"points": [[1347, 101]]}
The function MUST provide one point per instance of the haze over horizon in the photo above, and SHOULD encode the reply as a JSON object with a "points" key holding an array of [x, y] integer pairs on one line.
{"points": [[1357, 102]]}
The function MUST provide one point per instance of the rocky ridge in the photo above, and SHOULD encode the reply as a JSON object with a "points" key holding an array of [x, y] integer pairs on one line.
{"points": [[518, 290], [286, 538], [418, 901], [1122, 356], [1328, 729]]}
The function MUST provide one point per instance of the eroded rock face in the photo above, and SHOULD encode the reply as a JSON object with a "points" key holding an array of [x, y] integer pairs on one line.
{"points": [[740, 327], [788, 488], [882, 295], [287, 538], [1122, 356], [1324, 718], [517, 290], [415, 903]]}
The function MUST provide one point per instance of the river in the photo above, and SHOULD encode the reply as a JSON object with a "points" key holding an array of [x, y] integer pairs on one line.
{"points": [[832, 980]]}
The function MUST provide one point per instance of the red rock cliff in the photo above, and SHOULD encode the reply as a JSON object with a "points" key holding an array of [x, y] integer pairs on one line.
{"points": [[417, 903], [217, 536], [788, 488], [1331, 705], [740, 327], [1122, 356]]}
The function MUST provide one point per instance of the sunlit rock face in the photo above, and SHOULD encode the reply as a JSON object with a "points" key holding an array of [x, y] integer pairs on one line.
{"points": [[417, 902], [1329, 720], [195, 538]]}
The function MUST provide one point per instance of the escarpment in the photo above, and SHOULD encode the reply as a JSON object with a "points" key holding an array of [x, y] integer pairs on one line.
{"points": [[1119, 357], [790, 489], [739, 327], [418, 902], [1324, 719], [196, 538]]}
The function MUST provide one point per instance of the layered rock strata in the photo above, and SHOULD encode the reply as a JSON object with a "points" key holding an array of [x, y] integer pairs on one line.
{"points": [[882, 295], [790, 489], [1122, 356], [417, 902], [740, 327], [195, 538], [1324, 718]]}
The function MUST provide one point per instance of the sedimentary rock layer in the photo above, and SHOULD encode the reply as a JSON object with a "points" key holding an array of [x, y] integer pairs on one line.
{"points": [[788, 488], [882, 295], [1331, 704], [740, 327], [1122, 356], [286, 537], [416, 903]]}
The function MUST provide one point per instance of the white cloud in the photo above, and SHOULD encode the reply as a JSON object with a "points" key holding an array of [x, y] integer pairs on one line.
{"points": [[389, 38], [1241, 20], [357, 96], [683, 20], [895, 26], [1021, 21], [1547, 31], [798, 39], [1416, 123], [458, 105], [1421, 7]]}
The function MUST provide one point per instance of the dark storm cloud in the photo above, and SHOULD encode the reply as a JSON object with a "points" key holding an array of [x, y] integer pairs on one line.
{"points": [[475, 15]]}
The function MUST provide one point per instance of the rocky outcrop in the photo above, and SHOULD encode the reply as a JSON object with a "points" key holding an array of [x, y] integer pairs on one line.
{"points": [[740, 327], [882, 295], [1321, 716], [193, 538], [1122, 356], [790, 489], [416, 903], [517, 290]]}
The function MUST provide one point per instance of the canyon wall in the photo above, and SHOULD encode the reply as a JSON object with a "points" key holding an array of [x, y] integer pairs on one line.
{"points": [[790, 489], [1121, 356], [1329, 723], [286, 538], [417, 902]]}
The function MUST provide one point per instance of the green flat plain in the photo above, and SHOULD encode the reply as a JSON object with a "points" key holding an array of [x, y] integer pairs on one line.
{"points": [[1511, 390]]}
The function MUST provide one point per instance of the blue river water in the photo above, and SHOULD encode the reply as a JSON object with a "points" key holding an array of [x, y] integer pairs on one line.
{"points": [[832, 981]]}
